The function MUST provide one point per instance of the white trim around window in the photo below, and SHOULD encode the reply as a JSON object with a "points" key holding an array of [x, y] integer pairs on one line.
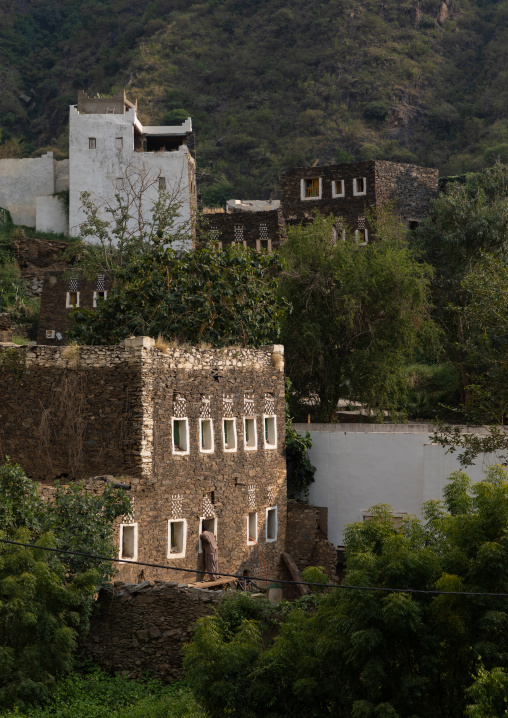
{"points": [[68, 303], [302, 189], [180, 435], [365, 233], [206, 439], [356, 191], [229, 439], [338, 189], [250, 433], [96, 296], [271, 524], [179, 538], [252, 527], [128, 549], [270, 431], [201, 529]]}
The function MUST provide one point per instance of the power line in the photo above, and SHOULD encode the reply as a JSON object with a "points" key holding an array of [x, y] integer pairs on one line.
{"points": [[258, 578]]}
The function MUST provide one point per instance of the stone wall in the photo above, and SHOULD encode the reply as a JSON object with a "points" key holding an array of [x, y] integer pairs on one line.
{"points": [[5, 327], [55, 312], [252, 228], [409, 187], [73, 412], [139, 628], [37, 256], [307, 539]]}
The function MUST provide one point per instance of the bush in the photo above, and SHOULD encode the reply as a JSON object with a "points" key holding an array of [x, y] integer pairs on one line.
{"points": [[175, 117], [376, 111]]}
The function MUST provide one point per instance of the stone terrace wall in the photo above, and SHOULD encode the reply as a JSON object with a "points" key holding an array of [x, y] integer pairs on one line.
{"points": [[306, 540], [140, 628], [71, 412], [410, 187], [37, 256]]}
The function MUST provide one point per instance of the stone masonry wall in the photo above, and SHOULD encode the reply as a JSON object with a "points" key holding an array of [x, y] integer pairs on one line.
{"points": [[37, 256], [251, 227], [54, 314], [306, 540], [411, 188], [139, 628]]}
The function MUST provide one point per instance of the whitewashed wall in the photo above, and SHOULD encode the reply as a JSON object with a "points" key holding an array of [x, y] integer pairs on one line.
{"points": [[96, 170], [21, 182], [51, 215], [359, 465]]}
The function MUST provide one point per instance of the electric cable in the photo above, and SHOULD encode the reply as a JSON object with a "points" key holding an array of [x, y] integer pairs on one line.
{"points": [[258, 578]]}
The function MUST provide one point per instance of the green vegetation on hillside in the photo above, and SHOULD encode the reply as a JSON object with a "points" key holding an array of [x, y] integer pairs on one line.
{"points": [[270, 85]]}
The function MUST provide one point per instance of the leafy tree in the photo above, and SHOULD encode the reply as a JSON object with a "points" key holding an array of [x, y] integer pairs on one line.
{"points": [[358, 315], [489, 693], [210, 295], [371, 653], [300, 470]]}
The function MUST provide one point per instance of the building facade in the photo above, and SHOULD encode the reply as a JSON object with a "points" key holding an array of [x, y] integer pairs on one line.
{"points": [[197, 436], [111, 153], [350, 191], [260, 230]]}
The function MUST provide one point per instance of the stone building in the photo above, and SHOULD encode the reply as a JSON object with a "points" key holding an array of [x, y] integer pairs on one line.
{"points": [[197, 435], [63, 291], [256, 224], [349, 191]]}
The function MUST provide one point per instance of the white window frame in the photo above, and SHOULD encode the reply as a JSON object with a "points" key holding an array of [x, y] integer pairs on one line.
{"points": [[365, 234], [268, 509], [120, 548], [258, 244], [119, 143], [302, 189], [68, 304], [266, 445], [229, 451], [245, 446], [176, 451], [252, 543], [205, 518], [96, 296], [335, 193], [180, 554], [200, 429], [356, 193]]}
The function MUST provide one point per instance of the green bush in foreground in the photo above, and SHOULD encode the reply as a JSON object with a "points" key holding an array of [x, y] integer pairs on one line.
{"points": [[94, 694]]}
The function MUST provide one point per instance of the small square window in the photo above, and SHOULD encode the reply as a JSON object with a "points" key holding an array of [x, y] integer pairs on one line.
{"points": [[92, 143], [177, 538], [362, 236], [119, 183], [250, 435], [338, 189], [72, 300], [229, 434], [270, 432], [271, 524], [252, 528], [206, 436], [162, 183], [119, 143], [99, 296], [312, 187], [265, 244], [180, 436], [128, 542], [209, 524], [359, 186]]}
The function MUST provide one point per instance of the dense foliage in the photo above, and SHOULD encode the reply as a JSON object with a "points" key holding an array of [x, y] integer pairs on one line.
{"points": [[366, 654], [269, 85], [359, 314]]}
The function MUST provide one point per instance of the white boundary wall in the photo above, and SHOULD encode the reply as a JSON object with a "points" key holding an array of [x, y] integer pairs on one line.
{"points": [[359, 465]]}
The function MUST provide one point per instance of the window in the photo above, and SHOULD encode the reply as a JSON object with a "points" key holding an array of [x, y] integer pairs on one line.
{"points": [[271, 524], [180, 436], [177, 538], [119, 183], [250, 435], [359, 186], [311, 188], [72, 300], [99, 296], [110, 111], [209, 524], [252, 528], [229, 434], [119, 143], [128, 542], [162, 183], [206, 436], [270, 432], [362, 236], [265, 244], [338, 189], [92, 143]]}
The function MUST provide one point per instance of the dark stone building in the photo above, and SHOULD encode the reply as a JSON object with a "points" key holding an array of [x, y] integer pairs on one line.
{"points": [[253, 229], [197, 435], [61, 292], [348, 191]]}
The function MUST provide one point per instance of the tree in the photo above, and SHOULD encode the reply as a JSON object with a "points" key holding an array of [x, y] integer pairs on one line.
{"points": [[220, 296], [358, 315], [387, 654]]}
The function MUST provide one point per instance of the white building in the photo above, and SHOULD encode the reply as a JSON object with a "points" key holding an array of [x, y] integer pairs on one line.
{"points": [[360, 465], [111, 152]]}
